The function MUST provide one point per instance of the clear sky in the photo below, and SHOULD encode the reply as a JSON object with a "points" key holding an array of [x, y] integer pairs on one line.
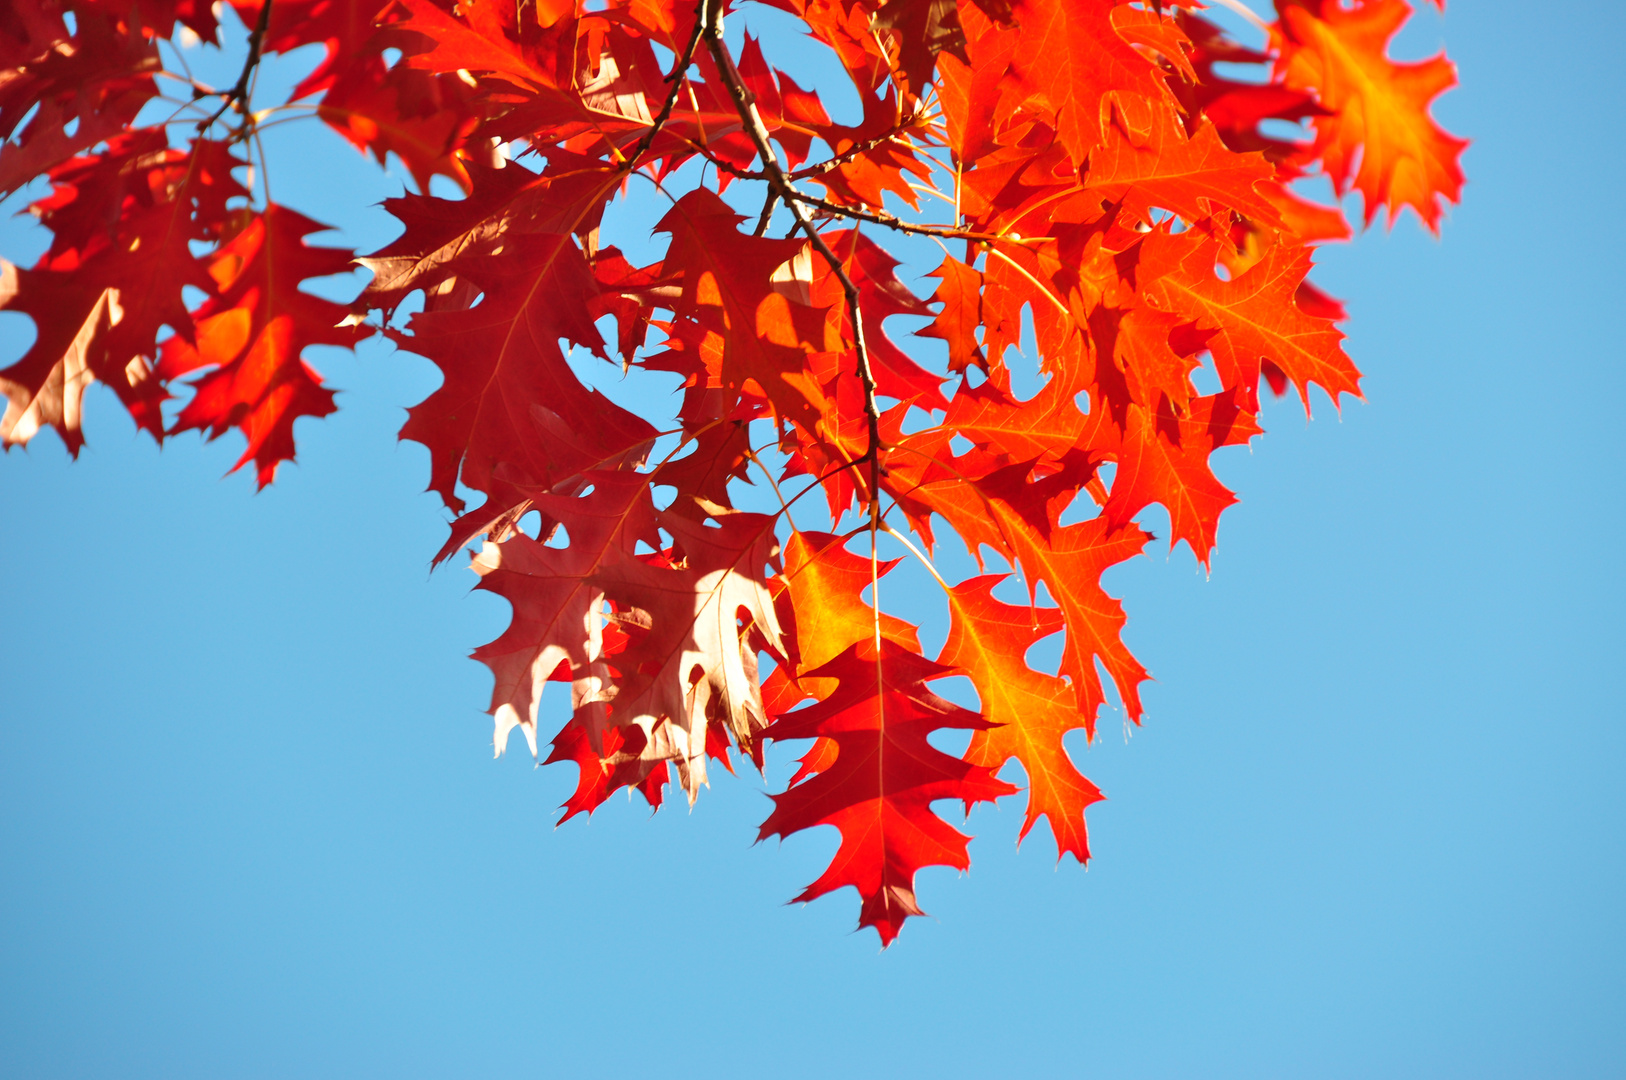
{"points": [[250, 825]]}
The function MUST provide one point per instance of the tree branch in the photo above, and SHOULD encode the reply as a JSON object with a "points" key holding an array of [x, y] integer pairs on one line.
{"points": [[680, 72], [238, 95], [851, 152], [873, 217], [780, 186], [767, 212], [881, 217]]}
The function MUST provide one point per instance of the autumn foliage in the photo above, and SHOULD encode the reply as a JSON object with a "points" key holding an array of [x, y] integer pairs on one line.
{"points": [[1100, 178]]}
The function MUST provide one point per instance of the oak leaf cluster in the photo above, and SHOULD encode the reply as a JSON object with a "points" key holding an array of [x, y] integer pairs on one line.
{"points": [[1099, 178]]}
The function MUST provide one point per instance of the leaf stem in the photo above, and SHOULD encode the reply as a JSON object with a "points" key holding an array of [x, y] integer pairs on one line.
{"points": [[784, 507], [1041, 286], [924, 561]]}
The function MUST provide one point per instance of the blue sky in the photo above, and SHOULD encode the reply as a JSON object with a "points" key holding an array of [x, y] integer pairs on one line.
{"points": [[250, 825]]}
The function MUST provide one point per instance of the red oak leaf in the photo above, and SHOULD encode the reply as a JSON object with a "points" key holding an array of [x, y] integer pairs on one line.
{"points": [[557, 604], [345, 29], [124, 220], [1069, 53], [601, 775], [501, 357], [1189, 176], [961, 296], [567, 197], [879, 789], [1070, 562], [818, 595], [695, 661], [253, 334], [919, 30], [1237, 108], [423, 119], [1163, 458], [1008, 511], [744, 289], [969, 87], [94, 81]]}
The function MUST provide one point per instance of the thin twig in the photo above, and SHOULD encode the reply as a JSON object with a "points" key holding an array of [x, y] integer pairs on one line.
{"points": [[877, 217], [927, 563], [872, 217], [855, 150], [199, 90], [784, 507], [265, 165], [679, 79], [238, 95], [767, 212]]}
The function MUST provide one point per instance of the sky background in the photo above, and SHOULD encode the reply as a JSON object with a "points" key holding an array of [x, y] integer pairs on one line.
{"points": [[250, 825]]}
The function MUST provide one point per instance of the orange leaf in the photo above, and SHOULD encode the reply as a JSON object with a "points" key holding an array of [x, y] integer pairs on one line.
{"points": [[1380, 137], [1190, 177], [1253, 318], [1163, 458], [1069, 53], [989, 640], [819, 594]]}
